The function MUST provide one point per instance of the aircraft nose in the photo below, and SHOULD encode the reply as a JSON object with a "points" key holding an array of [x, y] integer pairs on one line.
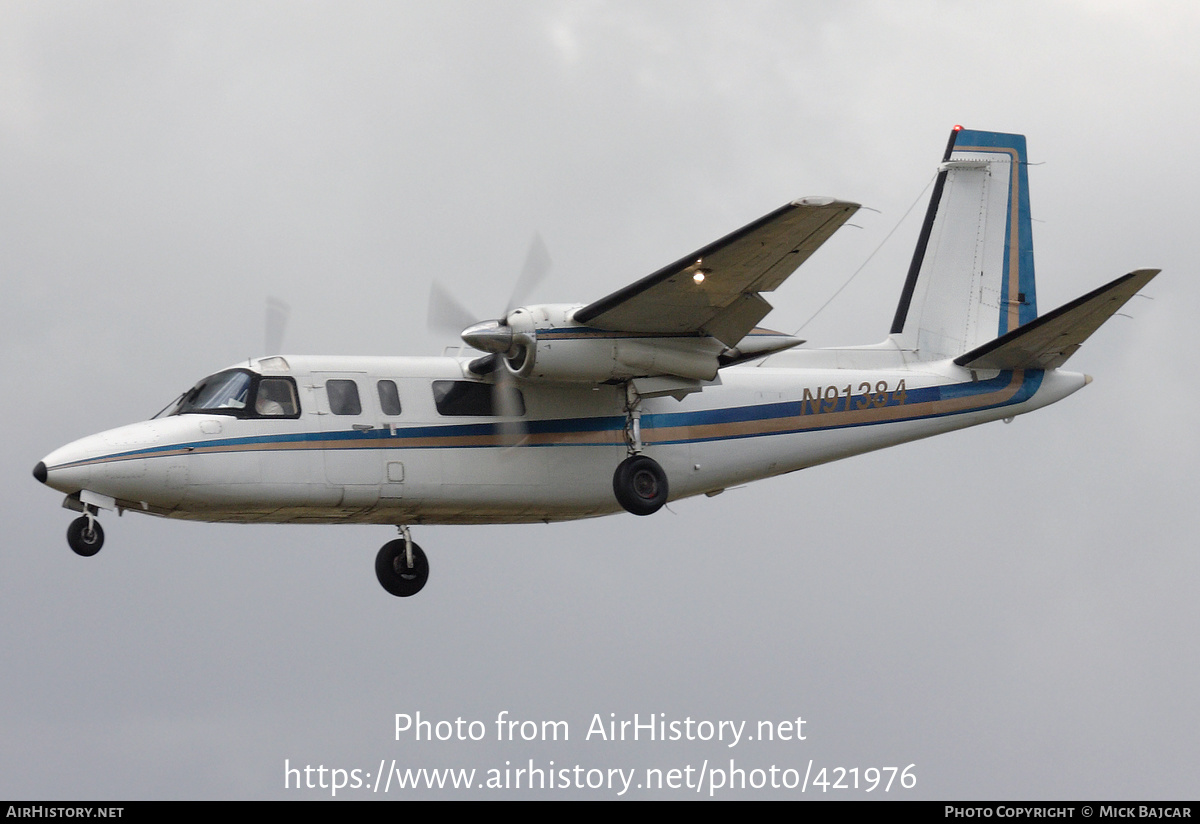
{"points": [[66, 468]]}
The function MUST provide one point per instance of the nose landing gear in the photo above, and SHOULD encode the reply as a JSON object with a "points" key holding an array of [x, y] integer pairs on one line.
{"points": [[85, 536]]}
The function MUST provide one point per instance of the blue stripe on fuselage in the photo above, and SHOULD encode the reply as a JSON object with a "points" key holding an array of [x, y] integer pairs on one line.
{"points": [[730, 417]]}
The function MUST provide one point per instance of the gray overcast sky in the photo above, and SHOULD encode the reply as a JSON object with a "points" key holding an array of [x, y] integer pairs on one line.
{"points": [[1011, 608]]}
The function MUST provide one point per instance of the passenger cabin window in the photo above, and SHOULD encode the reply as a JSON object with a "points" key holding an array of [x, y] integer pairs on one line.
{"points": [[343, 397], [471, 399], [389, 398]]}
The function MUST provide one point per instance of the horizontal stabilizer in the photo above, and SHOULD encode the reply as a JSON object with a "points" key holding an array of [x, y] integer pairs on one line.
{"points": [[1046, 342]]}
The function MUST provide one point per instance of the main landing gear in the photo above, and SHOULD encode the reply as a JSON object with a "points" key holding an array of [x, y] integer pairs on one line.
{"points": [[401, 566], [639, 483], [85, 536]]}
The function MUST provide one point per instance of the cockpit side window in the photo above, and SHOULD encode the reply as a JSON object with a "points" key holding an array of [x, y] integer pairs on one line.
{"points": [[276, 398]]}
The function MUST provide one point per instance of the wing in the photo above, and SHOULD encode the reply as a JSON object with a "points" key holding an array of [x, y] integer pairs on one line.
{"points": [[725, 302], [1046, 342]]}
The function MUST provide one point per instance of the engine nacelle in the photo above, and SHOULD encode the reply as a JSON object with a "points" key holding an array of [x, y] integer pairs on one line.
{"points": [[547, 344]]}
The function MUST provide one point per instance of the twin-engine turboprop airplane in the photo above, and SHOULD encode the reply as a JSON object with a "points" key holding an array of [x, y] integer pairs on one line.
{"points": [[663, 390]]}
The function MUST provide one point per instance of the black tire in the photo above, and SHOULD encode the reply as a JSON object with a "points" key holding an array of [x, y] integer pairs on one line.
{"points": [[393, 572], [640, 485], [86, 542]]}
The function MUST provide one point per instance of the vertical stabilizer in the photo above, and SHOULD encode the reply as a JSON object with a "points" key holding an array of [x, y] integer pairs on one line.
{"points": [[971, 278]]}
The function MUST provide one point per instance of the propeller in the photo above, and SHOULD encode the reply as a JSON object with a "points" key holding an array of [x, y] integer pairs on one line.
{"points": [[276, 324], [537, 266], [448, 314]]}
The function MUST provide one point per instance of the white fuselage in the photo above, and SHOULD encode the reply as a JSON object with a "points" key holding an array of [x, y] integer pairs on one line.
{"points": [[419, 466]]}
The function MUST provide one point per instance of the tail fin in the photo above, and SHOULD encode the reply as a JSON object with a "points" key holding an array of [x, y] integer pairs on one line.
{"points": [[971, 278]]}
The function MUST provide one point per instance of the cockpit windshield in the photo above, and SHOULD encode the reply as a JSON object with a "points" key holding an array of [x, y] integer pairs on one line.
{"points": [[240, 393], [223, 391]]}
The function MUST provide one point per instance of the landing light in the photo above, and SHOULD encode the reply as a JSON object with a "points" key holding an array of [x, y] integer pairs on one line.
{"points": [[698, 277]]}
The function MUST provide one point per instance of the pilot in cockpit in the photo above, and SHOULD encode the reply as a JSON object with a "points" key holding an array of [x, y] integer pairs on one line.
{"points": [[274, 398]]}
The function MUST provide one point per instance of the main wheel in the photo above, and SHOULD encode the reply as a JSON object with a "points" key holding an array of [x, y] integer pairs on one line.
{"points": [[85, 536], [394, 573], [640, 485]]}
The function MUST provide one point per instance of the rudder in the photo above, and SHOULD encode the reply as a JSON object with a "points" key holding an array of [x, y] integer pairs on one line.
{"points": [[971, 279]]}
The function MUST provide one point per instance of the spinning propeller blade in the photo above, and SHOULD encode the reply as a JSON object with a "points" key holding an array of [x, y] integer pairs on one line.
{"points": [[276, 324], [447, 314], [537, 266]]}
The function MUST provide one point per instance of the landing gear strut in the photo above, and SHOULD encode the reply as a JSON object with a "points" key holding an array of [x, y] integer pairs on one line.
{"points": [[401, 566], [639, 483], [85, 535]]}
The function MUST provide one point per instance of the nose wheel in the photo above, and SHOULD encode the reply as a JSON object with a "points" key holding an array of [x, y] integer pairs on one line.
{"points": [[85, 536], [400, 574]]}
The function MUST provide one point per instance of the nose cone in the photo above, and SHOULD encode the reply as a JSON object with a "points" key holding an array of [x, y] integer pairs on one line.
{"points": [[61, 470], [70, 468]]}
